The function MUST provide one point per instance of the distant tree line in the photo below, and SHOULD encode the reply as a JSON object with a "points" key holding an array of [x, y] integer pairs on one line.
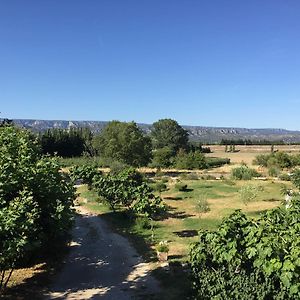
{"points": [[66, 143], [250, 142], [166, 146]]}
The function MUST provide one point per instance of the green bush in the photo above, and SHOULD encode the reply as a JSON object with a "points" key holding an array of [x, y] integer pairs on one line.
{"points": [[86, 173], [248, 193], [244, 173], [181, 187], [215, 162], [202, 204], [249, 259], [189, 176], [285, 177], [142, 223], [273, 171], [35, 200], [159, 187], [117, 167], [128, 189], [165, 179], [190, 160], [278, 159]]}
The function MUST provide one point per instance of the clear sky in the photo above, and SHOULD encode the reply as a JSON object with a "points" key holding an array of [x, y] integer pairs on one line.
{"points": [[214, 62]]}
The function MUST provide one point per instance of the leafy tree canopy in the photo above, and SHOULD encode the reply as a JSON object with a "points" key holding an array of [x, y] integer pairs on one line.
{"points": [[124, 142], [168, 133], [35, 199]]}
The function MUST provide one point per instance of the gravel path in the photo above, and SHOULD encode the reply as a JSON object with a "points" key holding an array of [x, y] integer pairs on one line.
{"points": [[101, 265]]}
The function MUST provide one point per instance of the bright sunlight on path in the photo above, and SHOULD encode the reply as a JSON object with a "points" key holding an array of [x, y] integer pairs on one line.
{"points": [[101, 265]]}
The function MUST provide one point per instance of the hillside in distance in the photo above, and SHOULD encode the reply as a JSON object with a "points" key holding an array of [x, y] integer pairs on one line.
{"points": [[197, 133]]}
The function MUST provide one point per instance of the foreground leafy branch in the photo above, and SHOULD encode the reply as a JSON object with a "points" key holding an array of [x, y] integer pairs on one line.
{"points": [[248, 259], [35, 201]]}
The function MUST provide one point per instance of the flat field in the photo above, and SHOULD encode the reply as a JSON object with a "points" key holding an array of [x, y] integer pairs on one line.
{"points": [[247, 153], [184, 218]]}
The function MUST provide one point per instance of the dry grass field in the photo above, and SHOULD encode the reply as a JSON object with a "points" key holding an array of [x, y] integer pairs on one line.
{"points": [[247, 153]]}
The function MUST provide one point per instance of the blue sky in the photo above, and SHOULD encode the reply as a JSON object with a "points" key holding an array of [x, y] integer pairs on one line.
{"points": [[214, 62]]}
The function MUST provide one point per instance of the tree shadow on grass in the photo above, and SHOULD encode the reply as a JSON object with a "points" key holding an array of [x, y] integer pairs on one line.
{"points": [[271, 200], [173, 213], [173, 198], [186, 233]]}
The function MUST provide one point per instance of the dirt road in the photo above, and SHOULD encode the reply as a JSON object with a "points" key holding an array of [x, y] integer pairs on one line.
{"points": [[101, 265]]}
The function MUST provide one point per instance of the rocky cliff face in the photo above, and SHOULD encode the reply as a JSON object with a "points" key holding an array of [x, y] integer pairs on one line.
{"points": [[197, 133]]}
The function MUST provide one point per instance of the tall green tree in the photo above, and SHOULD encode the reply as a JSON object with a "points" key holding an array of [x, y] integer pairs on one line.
{"points": [[168, 133], [35, 200], [67, 143], [124, 142]]}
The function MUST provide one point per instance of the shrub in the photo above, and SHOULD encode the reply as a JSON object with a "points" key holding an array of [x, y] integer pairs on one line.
{"points": [[202, 204], [208, 177], [278, 159], [162, 158], [190, 160], [244, 173], [273, 171], [159, 187], [215, 162], [192, 176], [181, 187], [229, 182], [248, 193], [285, 177], [165, 179], [142, 223], [117, 167], [35, 200], [162, 247], [85, 173], [129, 190], [249, 259]]}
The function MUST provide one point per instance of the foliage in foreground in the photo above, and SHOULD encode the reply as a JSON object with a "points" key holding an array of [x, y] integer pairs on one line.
{"points": [[250, 259], [86, 173], [35, 200]]}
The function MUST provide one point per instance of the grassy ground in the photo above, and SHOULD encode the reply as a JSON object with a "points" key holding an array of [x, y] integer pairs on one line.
{"points": [[183, 220]]}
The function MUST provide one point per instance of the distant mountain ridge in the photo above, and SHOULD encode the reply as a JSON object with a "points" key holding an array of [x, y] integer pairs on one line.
{"points": [[196, 133]]}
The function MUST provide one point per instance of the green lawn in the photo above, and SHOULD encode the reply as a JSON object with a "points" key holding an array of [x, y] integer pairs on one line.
{"points": [[183, 220]]}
